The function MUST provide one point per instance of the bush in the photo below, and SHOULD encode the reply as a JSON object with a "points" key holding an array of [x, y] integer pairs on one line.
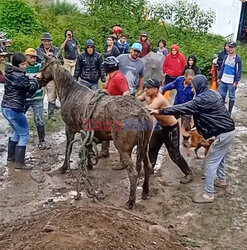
{"points": [[242, 51], [18, 16]]}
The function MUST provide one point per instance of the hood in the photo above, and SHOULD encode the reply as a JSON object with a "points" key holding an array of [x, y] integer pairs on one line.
{"points": [[200, 83], [191, 57], [90, 42], [175, 46], [10, 68]]}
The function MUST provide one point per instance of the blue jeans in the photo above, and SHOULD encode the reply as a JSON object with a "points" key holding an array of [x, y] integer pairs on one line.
{"points": [[224, 88], [38, 108], [215, 161], [91, 85], [19, 123]]}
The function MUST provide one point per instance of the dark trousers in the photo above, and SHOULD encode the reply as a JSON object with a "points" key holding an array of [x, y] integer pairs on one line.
{"points": [[169, 79], [171, 137]]}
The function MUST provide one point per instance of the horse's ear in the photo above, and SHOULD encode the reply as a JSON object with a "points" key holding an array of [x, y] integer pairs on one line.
{"points": [[45, 56], [59, 53]]}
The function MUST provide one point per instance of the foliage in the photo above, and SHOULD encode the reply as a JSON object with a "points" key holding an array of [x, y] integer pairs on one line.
{"points": [[18, 16], [242, 51], [63, 8], [183, 14]]}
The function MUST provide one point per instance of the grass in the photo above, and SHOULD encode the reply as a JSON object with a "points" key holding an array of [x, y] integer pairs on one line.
{"points": [[242, 51], [50, 126]]}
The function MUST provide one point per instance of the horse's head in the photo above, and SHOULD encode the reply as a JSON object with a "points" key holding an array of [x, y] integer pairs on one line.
{"points": [[46, 70]]}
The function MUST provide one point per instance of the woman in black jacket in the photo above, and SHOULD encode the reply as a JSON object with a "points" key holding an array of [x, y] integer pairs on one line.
{"points": [[111, 49], [191, 64], [17, 87]]}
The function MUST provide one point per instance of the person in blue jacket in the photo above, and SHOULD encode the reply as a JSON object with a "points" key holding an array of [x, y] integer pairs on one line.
{"points": [[184, 94], [230, 75]]}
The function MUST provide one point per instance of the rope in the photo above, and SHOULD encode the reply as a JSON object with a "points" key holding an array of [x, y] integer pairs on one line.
{"points": [[87, 152]]}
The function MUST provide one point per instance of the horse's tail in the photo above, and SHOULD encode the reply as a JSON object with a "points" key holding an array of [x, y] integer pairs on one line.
{"points": [[144, 136]]}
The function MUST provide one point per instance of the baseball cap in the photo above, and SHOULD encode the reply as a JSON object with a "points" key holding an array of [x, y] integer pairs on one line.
{"points": [[151, 83], [31, 52], [144, 34], [137, 46], [46, 36], [232, 44]]}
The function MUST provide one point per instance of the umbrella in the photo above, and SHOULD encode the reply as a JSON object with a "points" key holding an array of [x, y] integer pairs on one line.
{"points": [[154, 66]]}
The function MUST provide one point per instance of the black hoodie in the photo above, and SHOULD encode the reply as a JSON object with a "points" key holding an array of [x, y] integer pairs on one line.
{"points": [[193, 67], [209, 112], [89, 67]]}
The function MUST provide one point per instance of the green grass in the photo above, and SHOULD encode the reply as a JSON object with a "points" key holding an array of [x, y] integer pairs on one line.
{"points": [[50, 126]]}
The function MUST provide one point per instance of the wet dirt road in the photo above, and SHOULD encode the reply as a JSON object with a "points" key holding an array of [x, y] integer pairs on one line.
{"points": [[29, 201]]}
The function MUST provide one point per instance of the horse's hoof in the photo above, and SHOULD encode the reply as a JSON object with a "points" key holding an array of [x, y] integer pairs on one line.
{"points": [[61, 170], [145, 196], [130, 204]]}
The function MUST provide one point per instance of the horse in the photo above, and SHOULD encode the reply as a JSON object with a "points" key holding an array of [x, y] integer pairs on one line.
{"points": [[75, 98]]}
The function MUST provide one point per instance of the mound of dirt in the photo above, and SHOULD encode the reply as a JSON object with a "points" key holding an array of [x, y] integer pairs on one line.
{"points": [[91, 227]]}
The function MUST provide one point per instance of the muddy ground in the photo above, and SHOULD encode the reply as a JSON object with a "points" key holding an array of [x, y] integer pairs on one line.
{"points": [[38, 209]]}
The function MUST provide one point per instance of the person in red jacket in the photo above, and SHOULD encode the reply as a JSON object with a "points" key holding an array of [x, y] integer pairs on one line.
{"points": [[146, 46], [2, 57], [174, 64]]}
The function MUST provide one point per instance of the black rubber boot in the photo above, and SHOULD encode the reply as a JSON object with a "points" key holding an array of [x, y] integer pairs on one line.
{"points": [[20, 152], [41, 135], [231, 104], [51, 107], [11, 150], [104, 153]]}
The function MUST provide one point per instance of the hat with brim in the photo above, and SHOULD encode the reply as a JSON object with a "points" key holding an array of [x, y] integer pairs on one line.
{"points": [[46, 36], [151, 83], [31, 52]]}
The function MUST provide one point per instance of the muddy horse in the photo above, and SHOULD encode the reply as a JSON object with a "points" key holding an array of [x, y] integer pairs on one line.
{"points": [[75, 97]]}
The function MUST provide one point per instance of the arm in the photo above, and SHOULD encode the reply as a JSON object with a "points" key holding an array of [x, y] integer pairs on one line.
{"points": [[2, 77], [169, 86], [101, 69], [141, 80], [222, 68], [238, 71], [64, 43], [116, 51], [165, 65], [78, 68], [188, 108], [141, 97]]}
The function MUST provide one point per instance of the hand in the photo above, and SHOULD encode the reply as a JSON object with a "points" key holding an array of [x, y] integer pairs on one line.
{"points": [[139, 92], [39, 75], [153, 111], [235, 85]]}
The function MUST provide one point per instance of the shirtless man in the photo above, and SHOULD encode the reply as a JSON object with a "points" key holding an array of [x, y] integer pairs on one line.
{"points": [[167, 131]]}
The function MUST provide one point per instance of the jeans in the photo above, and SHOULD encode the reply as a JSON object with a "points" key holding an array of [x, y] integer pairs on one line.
{"points": [[91, 85], [19, 123], [215, 161], [224, 88], [169, 135], [38, 108]]}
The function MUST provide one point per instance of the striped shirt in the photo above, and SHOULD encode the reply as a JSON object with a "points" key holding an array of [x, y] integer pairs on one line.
{"points": [[229, 70]]}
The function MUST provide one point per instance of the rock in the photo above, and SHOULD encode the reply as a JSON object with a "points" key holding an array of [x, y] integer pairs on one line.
{"points": [[50, 200], [163, 232], [92, 233], [49, 228]]}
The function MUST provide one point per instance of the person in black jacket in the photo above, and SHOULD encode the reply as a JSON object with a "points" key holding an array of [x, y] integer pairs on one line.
{"points": [[49, 49], [222, 55], [17, 87], [89, 67], [111, 49], [191, 64], [211, 119]]}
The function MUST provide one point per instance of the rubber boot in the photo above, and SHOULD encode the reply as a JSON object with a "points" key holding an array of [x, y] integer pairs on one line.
{"points": [[51, 115], [104, 153], [231, 104], [41, 135], [11, 150], [20, 152], [223, 99]]}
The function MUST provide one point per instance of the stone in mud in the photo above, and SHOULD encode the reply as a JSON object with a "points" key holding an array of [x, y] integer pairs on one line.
{"points": [[163, 232], [49, 228]]}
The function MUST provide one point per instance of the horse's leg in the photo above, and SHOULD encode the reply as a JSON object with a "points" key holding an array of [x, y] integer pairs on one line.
{"points": [[148, 171], [69, 137]]}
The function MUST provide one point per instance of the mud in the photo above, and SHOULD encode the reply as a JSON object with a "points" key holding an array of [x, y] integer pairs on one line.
{"points": [[32, 201]]}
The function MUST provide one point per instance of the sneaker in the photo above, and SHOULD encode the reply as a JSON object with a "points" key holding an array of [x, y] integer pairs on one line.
{"points": [[187, 178], [205, 198], [220, 183]]}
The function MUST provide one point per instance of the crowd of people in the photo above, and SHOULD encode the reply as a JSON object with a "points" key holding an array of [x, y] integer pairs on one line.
{"points": [[121, 71]]}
